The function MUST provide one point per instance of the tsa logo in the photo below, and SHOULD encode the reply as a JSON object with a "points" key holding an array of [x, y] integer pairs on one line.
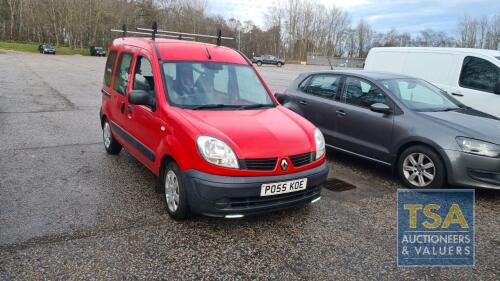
{"points": [[436, 227]]}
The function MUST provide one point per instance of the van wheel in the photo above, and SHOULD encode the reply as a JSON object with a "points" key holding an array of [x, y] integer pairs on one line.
{"points": [[420, 167], [259, 63], [110, 144], [175, 192]]}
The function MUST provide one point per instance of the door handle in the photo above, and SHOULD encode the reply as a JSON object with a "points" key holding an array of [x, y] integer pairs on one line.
{"points": [[122, 107], [457, 94], [130, 109], [340, 113], [303, 102]]}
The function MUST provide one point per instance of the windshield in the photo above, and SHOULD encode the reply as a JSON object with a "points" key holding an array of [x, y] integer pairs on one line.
{"points": [[198, 84], [48, 46], [420, 95]]}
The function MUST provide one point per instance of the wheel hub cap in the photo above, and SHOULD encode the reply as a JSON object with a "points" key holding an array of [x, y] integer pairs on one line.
{"points": [[419, 169], [172, 191], [106, 134]]}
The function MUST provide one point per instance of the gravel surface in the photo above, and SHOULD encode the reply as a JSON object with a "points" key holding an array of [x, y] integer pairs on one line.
{"points": [[69, 211]]}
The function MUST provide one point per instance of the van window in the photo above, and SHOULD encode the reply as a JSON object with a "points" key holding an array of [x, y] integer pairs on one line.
{"points": [[143, 76], [122, 73], [362, 93], [110, 63], [479, 74], [324, 85]]}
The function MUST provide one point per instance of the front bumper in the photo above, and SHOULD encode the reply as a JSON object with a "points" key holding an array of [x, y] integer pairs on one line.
{"points": [[215, 195], [471, 170]]}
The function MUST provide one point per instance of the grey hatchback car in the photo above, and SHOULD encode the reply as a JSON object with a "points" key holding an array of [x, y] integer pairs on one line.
{"points": [[430, 138]]}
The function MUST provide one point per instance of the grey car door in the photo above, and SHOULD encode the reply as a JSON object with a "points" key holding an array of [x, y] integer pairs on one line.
{"points": [[316, 99], [358, 129]]}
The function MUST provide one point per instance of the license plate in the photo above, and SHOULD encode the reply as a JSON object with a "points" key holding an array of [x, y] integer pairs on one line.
{"points": [[275, 188]]}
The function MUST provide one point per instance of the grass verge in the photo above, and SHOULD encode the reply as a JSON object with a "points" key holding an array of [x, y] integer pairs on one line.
{"points": [[30, 47]]}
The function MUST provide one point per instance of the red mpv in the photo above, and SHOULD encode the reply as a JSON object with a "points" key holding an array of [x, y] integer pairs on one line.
{"points": [[201, 118]]}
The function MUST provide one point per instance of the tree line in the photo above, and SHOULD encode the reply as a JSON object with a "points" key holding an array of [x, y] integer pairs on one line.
{"points": [[292, 29]]}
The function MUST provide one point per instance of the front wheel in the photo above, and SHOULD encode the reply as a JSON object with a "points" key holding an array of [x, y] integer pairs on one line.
{"points": [[175, 192], [279, 64], [420, 167], [110, 144], [259, 63]]}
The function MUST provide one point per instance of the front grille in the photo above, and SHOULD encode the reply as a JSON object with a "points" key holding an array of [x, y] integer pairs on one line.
{"points": [[263, 164], [302, 159], [258, 201]]}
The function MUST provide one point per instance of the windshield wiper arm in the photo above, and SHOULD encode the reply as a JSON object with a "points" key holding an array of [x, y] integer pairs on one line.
{"points": [[213, 106], [257, 105], [451, 108]]}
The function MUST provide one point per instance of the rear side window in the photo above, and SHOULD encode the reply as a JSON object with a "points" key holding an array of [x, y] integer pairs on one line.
{"points": [[362, 93], [479, 74], [109, 68], [324, 85], [122, 73]]}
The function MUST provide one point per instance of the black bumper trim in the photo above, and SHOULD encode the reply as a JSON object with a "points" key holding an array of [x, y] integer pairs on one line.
{"points": [[216, 195]]}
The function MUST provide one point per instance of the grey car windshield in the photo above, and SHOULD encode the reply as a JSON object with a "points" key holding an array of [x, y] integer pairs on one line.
{"points": [[420, 95], [195, 84]]}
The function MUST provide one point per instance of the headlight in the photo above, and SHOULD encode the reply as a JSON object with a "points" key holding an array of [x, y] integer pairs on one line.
{"points": [[479, 147], [320, 143], [217, 152]]}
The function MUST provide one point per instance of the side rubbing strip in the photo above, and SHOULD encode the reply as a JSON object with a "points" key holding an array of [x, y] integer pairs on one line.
{"points": [[134, 142], [104, 92]]}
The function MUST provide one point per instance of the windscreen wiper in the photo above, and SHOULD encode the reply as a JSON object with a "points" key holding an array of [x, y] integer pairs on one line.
{"points": [[253, 106], [213, 106], [451, 108]]}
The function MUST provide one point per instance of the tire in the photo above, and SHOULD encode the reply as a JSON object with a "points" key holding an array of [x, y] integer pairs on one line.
{"points": [[259, 63], [175, 192], [279, 64], [420, 166], [110, 144]]}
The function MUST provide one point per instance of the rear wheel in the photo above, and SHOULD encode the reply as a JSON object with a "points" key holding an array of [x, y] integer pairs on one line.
{"points": [[175, 192], [279, 64], [259, 63], [420, 167], [110, 144]]}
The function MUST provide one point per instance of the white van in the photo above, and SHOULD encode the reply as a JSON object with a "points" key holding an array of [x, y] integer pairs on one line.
{"points": [[471, 75]]}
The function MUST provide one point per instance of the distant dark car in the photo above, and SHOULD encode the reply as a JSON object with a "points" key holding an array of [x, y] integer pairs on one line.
{"points": [[46, 49], [97, 51], [427, 135], [268, 59]]}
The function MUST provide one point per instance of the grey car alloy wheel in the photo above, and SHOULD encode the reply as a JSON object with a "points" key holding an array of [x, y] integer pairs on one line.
{"points": [[419, 169]]}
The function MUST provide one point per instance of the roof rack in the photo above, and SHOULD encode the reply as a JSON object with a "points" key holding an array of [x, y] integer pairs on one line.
{"points": [[155, 32]]}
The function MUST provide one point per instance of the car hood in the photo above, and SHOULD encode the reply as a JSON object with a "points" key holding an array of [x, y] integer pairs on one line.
{"points": [[469, 123], [263, 133]]}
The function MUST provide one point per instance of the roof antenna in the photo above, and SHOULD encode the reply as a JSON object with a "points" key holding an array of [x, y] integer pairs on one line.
{"points": [[124, 29], [155, 30], [219, 35]]}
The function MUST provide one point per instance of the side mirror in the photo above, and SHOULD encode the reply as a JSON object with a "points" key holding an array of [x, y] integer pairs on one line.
{"points": [[140, 97], [381, 108], [279, 97]]}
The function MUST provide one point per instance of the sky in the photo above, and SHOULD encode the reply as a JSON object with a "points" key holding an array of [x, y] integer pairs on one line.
{"points": [[405, 16]]}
